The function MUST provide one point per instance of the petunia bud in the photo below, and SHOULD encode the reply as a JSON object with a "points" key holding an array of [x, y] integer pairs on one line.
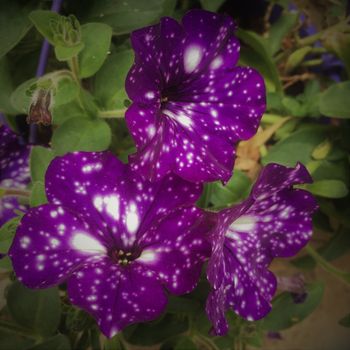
{"points": [[67, 31], [40, 108]]}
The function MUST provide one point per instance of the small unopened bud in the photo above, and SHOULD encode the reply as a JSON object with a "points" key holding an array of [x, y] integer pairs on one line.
{"points": [[40, 108]]}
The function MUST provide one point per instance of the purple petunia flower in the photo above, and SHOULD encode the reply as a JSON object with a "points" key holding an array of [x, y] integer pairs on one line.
{"points": [[120, 242], [14, 172], [275, 221], [191, 104]]}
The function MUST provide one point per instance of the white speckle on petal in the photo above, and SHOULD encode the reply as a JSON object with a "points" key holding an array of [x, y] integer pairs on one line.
{"points": [[110, 203], [151, 130], [192, 57], [98, 202], [150, 95], [244, 223], [85, 243], [112, 206], [181, 118], [216, 63], [132, 218], [147, 255]]}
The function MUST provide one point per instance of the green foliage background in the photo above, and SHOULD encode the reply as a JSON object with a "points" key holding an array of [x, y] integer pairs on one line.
{"points": [[307, 120]]}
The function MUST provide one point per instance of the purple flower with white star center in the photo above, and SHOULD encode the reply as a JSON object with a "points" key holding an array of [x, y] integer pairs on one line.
{"points": [[191, 104], [14, 172], [119, 241], [275, 221]]}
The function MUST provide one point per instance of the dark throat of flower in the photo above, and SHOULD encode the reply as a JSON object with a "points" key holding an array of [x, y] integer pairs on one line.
{"points": [[122, 257]]}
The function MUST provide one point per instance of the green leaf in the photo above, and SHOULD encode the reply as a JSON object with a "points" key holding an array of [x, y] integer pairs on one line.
{"points": [[7, 232], [151, 333], [38, 195], [293, 106], [9, 341], [286, 129], [14, 24], [202, 323], [97, 39], [8, 229], [285, 313], [58, 342], [274, 102], [211, 5], [6, 87], [264, 58], [66, 91], [65, 53], [114, 343], [235, 190], [345, 321], [296, 58], [63, 112], [326, 170], [181, 305], [43, 20], [40, 158], [328, 188], [280, 29], [20, 98], [37, 310], [185, 343], [335, 101], [298, 147], [109, 81], [125, 16], [124, 155], [205, 198], [77, 134], [88, 102]]}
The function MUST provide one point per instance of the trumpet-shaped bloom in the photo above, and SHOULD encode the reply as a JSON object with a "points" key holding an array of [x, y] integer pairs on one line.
{"points": [[191, 103], [14, 172], [275, 221], [119, 241]]}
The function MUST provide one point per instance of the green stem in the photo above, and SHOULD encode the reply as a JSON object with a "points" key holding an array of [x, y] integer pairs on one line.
{"points": [[342, 275], [112, 114], [74, 67]]}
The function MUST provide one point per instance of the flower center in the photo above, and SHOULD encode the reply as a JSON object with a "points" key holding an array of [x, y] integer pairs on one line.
{"points": [[122, 257], [168, 94]]}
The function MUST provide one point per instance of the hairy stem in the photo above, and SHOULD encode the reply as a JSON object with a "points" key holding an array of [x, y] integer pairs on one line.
{"points": [[74, 67]]}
